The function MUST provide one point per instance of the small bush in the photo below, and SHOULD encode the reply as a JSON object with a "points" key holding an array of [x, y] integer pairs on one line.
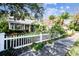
{"points": [[37, 46], [57, 30], [4, 26], [50, 41], [74, 25]]}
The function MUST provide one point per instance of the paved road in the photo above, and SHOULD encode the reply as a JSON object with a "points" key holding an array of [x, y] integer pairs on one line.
{"points": [[59, 48]]}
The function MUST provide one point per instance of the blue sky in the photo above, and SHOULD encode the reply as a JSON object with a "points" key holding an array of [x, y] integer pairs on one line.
{"points": [[58, 8]]}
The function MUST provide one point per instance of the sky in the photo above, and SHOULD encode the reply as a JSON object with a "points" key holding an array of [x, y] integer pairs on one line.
{"points": [[59, 8]]}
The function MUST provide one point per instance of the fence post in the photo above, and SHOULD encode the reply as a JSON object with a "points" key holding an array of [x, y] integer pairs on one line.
{"points": [[40, 37], [2, 41]]}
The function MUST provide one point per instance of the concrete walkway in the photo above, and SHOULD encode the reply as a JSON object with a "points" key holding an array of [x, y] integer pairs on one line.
{"points": [[58, 48]]}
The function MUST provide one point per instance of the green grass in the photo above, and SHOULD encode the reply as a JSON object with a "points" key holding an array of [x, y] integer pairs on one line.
{"points": [[37, 46], [74, 51], [40, 45]]}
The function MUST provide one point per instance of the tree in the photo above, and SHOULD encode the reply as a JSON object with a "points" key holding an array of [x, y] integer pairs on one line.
{"points": [[18, 9], [75, 23], [4, 5], [51, 17], [37, 10], [3, 26], [57, 30], [63, 16], [76, 17]]}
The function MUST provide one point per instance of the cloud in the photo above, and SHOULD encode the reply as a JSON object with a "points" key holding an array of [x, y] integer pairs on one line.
{"points": [[44, 5], [67, 7], [55, 3], [50, 11], [53, 11], [61, 11], [61, 7]]}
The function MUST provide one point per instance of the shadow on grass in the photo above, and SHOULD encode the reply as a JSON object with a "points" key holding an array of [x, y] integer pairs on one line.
{"points": [[13, 52]]}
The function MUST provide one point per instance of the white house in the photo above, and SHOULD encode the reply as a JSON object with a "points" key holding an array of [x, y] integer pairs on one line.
{"points": [[20, 25]]}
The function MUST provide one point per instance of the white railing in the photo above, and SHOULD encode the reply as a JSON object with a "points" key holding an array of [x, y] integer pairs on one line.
{"points": [[21, 41]]}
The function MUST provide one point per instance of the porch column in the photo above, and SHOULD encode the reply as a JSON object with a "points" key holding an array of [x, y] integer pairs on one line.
{"points": [[24, 26], [29, 28], [10, 26], [14, 28], [2, 41]]}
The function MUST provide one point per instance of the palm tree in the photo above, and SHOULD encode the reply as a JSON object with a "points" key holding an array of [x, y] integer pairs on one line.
{"points": [[76, 17], [51, 17], [63, 16]]}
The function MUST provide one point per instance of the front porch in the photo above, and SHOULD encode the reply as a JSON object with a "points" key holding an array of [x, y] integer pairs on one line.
{"points": [[21, 25]]}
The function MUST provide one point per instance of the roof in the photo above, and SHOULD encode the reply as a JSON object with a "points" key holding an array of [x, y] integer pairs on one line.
{"points": [[26, 21], [22, 21]]}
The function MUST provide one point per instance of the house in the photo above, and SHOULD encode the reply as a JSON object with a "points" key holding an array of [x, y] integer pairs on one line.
{"points": [[20, 25]]}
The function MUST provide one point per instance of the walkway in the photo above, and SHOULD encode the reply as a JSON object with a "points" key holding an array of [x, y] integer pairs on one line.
{"points": [[59, 48]]}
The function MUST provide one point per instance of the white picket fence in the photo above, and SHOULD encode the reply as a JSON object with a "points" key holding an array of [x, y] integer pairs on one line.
{"points": [[21, 41]]}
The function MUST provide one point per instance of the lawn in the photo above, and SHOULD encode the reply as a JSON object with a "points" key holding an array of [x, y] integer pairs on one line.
{"points": [[74, 51]]}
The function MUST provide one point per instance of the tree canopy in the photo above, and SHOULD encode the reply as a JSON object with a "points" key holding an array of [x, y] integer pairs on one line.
{"points": [[51, 17], [22, 10], [3, 25], [64, 15]]}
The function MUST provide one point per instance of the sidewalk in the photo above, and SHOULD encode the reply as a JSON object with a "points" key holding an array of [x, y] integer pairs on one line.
{"points": [[59, 48]]}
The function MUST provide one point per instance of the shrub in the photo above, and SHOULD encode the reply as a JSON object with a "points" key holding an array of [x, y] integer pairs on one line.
{"points": [[50, 41], [51, 17], [64, 15], [40, 28], [3, 26], [74, 25], [37, 46], [57, 30]]}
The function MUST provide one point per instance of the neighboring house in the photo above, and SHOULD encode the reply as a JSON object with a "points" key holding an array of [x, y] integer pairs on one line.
{"points": [[48, 23], [67, 22]]}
